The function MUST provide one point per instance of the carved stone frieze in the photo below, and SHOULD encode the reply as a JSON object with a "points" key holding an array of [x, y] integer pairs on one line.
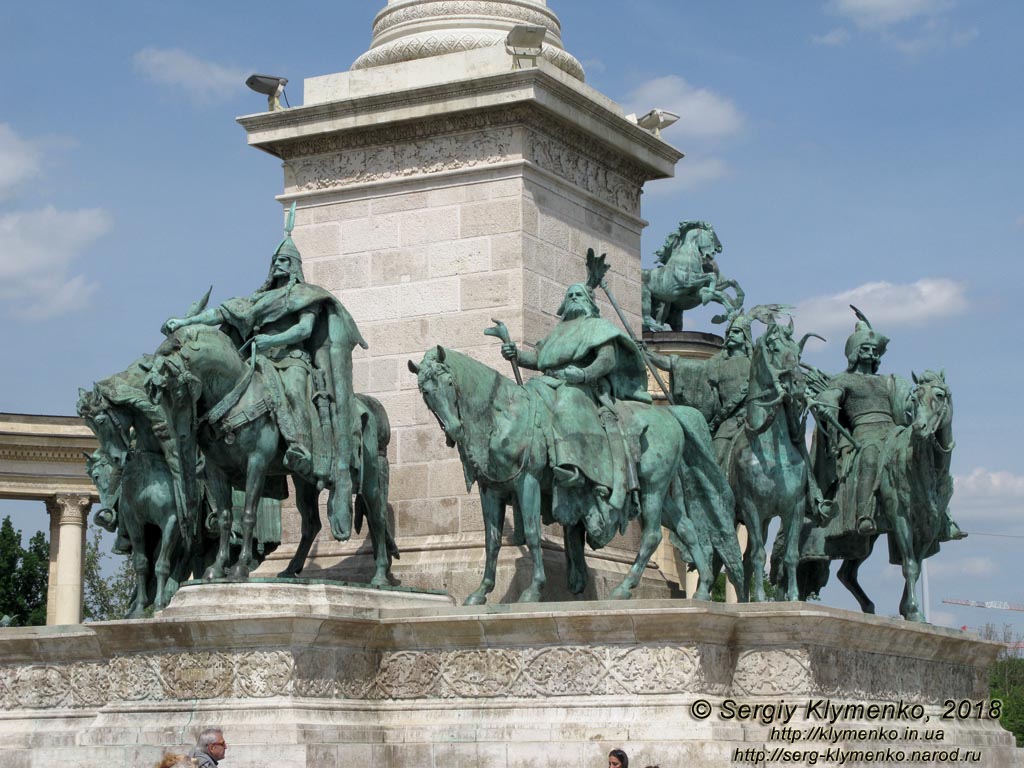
{"points": [[395, 161], [201, 675], [466, 141], [772, 672], [864, 675], [486, 673], [555, 152]]}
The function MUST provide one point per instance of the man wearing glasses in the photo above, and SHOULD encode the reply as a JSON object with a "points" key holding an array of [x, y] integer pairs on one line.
{"points": [[209, 749]]}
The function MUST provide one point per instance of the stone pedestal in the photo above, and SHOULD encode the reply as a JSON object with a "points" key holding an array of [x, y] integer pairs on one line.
{"points": [[304, 677], [434, 194]]}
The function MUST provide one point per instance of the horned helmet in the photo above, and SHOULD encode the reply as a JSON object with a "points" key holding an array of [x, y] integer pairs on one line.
{"points": [[862, 334], [288, 249]]}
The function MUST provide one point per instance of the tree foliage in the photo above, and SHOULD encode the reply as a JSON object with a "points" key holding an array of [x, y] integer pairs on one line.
{"points": [[106, 598], [1006, 679], [24, 576]]}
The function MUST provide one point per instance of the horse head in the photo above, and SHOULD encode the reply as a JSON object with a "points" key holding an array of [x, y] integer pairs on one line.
{"points": [[933, 406], [111, 427], [106, 476], [776, 379], [440, 393]]}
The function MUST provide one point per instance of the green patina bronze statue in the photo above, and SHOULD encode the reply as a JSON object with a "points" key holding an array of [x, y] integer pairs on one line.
{"points": [[260, 388], [581, 445], [882, 452], [688, 277]]}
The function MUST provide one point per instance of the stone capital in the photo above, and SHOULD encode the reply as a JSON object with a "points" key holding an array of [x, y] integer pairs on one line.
{"points": [[70, 508]]}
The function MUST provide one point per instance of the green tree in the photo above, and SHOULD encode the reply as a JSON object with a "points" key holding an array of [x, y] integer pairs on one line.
{"points": [[24, 576], [1006, 679], [106, 598]]}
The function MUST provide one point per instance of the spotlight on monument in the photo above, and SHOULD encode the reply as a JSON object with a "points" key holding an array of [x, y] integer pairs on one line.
{"points": [[270, 86], [525, 41], [657, 119]]}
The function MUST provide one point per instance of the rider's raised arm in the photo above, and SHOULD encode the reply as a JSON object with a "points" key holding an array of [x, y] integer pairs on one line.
{"points": [[212, 316]]}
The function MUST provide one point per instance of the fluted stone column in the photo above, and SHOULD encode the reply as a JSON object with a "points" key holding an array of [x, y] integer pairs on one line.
{"points": [[70, 512]]}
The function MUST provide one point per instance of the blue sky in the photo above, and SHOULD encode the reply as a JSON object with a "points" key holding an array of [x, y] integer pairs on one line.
{"points": [[863, 151]]}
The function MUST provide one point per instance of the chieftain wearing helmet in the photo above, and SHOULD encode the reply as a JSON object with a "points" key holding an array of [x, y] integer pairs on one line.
{"points": [[302, 340], [871, 409]]}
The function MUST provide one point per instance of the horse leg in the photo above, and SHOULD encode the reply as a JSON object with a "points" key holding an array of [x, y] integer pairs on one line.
{"points": [[493, 504], [140, 563], [306, 497], [255, 474], [377, 519], [753, 559], [528, 491], [847, 576], [649, 541], [904, 536], [792, 526], [675, 518], [220, 499], [575, 559], [168, 543]]}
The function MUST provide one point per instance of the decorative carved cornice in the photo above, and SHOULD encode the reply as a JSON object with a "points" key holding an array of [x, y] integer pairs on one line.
{"points": [[465, 140], [523, 13], [42, 454]]}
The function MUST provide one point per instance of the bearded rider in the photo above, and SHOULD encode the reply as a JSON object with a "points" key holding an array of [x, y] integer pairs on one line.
{"points": [[302, 338], [588, 364], [873, 409]]}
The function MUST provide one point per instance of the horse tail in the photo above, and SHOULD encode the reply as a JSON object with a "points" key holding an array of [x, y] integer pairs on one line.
{"points": [[373, 405]]}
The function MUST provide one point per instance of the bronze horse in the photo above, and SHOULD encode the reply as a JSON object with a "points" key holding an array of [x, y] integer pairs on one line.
{"points": [[502, 431], [194, 370]]}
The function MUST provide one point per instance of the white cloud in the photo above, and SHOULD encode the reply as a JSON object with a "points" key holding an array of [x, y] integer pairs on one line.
{"points": [[879, 14], [19, 161], [832, 38], [201, 80], [691, 173], [887, 305], [39, 249], [703, 114], [961, 566], [912, 27], [990, 496]]}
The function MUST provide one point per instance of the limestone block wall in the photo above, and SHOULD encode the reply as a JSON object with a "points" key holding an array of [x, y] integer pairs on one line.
{"points": [[428, 230]]}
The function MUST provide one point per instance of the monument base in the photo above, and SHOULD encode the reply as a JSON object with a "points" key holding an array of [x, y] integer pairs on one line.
{"points": [[333, 675]]}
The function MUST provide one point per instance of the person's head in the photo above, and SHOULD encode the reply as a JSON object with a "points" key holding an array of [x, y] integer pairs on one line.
{"points": [[174, 760], [286, 263], [738, 338], [617, 759], [578, 302], [211, 741], [865, 347]]}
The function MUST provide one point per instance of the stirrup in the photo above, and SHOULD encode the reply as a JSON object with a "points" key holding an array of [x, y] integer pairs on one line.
{"points": [[568, 478]]}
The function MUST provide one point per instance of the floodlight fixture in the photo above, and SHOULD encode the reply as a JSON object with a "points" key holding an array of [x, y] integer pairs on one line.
{"points": [[270, 86], [525, 41], [657, 119]]}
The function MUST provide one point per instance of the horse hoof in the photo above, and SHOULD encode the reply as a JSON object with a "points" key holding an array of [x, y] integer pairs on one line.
{"points": [[621, 593], [213, 573], [287, 573], [239, 572], [530, 596], [476, 599], [380, 581], [339, 531], [702, 594], [914, 616]]}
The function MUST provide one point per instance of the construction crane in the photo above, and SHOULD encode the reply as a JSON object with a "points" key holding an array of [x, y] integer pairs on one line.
{"points": [[1001, 605]]}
